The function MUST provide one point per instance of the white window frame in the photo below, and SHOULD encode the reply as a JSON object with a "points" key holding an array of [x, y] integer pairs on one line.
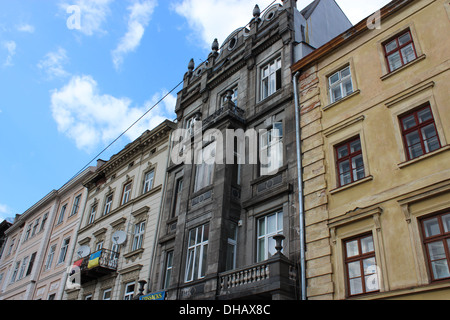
{"points": [[232, 243], [126, 196], [108, 203], [50, 256], [265, 236], [271, 146], [15, 271], [105, 292], [76, 205], [61, 214], [204, 172], [197, 252], [63, 250], [138, 237], [148, 181], [22, 268], [269, 77], [128, 295], [168, 269], [92, 214], [340, 83]]}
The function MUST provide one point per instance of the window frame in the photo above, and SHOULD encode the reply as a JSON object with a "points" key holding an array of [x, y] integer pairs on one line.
{"points": [[129, 295], [339, 83], [108, 204], [76, 205], [267, 236], [148, 183], [92, 214], [418, 128], [275, 75], [204, 172], [268, 143], [199, 248], [126, 194], [168, 267], [349, 158], [360, 257], [443, 237], [63, 251], [62, 213], [138, 235], [399, 49]]}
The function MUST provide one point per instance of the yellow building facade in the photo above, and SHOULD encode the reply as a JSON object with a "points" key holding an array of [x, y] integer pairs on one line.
{"points": [[375, 121]]}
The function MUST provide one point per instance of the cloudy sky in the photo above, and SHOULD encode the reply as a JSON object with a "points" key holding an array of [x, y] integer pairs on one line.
{"points": [[74, 74]]}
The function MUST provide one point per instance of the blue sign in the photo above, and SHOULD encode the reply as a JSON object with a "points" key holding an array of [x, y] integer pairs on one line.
{"points": [[154, 296]]}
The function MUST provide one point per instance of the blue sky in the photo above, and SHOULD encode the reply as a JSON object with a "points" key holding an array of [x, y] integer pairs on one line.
{"points": [[69, 86]]}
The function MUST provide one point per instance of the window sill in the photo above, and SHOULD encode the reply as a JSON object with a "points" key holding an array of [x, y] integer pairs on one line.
{"points": [[354, 93], [347, 186], [388, 75], [425, 156]]}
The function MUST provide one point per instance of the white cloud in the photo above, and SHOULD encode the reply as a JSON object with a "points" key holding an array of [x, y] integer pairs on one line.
{"points": [[91, 118], [53, 62], [26, 28], [5, 212], [10, 47], [138, 20], [216, 18], [93, 14]]}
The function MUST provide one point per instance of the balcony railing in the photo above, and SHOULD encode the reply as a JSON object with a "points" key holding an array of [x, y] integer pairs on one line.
{"points": [[98, 264], [276, 274]]}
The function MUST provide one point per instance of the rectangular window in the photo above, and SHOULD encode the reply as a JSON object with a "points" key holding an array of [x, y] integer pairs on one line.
{"points": [[16, 270], [92, 214], [44, 220], [129, 291], [108, 204], [231, 247], [107, 294], [340, 84], [148, 181], [63, 252], [35, 225], [400, 51], [76, 205], [436, 231], [22, 268], [234, 97], [61, 214], [27, 233], [197, 253], [361, 265], [177, 197], [168, 269], [419, 132], [204, 173], [268, 227], [271, 149], [50, 256], [349, 163], [126, 193], [30, 265], [11, 246], [138, 237], [270, 78]]}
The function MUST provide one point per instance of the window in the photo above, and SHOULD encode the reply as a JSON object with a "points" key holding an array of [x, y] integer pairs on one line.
{"points": [[350, 163], [44, 220], [436, 234], [92, 214], [108, 204], [16, 269], [27, 233], [177, 197], [361, 265], [63, 252], [30, 265], [50, 256], [35, 225], [234, 96], [231, 247], [168, 269], [126, 193], [99, 246], [61, 214], [107, 294], [419, 132], [268, 227], [204, 172], [76, 205], [148, 181], [270, 78], [400, 51], [129, 291], [87, 297], [22, 268], [271, 149], [340, 84], [138, 236], [11, 246], [197, 253]]}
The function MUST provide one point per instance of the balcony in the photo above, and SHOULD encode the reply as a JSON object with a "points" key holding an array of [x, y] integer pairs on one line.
{"points": [[98, 264], [274, 277]]}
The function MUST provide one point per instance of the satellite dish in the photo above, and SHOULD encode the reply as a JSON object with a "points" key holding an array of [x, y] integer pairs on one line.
{"points": [[119, 237], [84, 251]]}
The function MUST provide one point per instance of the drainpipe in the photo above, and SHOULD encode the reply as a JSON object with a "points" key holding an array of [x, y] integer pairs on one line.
{"points": [[300, 189]]}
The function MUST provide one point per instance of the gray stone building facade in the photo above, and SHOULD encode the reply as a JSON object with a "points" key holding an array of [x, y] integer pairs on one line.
{"points": [[222, 216]]}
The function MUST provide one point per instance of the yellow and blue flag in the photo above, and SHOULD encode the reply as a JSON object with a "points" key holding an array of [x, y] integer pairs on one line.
{"points": [[94, 259]]}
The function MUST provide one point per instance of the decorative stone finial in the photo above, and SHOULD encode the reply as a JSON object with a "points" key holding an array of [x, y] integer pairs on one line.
{"points": [[256, 12], [215, 45], [191, 67]]}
